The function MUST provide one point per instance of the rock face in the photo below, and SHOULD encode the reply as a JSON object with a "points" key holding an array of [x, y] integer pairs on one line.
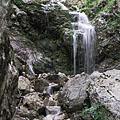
{"points": [[105, 89], [44, 39], [8, 71], [74, 93]]}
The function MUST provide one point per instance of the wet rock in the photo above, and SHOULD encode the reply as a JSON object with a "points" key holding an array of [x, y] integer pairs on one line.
{"points": [[33, 39], [55, 97], [23, 83], [54, 112], [73, 94], [40, 85], [105, 89], [54, 87], [25, 51], [59, 117], [53, 109]]}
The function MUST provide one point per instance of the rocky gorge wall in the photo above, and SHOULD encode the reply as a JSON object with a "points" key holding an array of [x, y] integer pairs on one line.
{"points": [[8, 71]]}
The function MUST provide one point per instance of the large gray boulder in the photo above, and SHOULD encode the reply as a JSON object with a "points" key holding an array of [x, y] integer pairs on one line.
{"points": [[105, 89], [73, 94], [102, 89]]}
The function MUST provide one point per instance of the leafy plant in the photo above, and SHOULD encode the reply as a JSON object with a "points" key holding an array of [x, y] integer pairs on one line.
{"points": [[94, 112]]}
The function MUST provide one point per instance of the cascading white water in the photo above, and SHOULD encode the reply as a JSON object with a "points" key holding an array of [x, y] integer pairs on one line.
{"points": [[82, 27], [52, 111]]}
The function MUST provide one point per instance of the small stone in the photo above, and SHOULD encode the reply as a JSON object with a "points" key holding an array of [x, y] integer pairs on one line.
{"points": [[46, 101], [55, 97], [52, 102]]}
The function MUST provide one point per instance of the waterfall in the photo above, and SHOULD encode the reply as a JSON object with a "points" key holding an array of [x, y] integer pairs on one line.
{"points": [[83, 37], [84, 33]]}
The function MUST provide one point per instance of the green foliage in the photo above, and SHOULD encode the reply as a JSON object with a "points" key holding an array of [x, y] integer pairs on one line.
{"points": [[116, 62], [74, 3], [95, 111], [90, 3], [17, 2], [59, 7]]}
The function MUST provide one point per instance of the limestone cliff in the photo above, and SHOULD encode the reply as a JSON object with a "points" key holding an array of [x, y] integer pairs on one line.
{"points": [[8, 71]]}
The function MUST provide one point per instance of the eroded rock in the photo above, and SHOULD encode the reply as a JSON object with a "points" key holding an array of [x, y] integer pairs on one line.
{"points": [[74, 93]]}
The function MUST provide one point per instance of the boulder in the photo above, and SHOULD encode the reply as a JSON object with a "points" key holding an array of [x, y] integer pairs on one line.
{"points": [[23, 83], [73, 94], [33, 102], [105, 89]]}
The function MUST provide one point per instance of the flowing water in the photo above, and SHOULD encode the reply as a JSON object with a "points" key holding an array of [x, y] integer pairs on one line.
{"points": [[84, 33], [52, 110]]}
